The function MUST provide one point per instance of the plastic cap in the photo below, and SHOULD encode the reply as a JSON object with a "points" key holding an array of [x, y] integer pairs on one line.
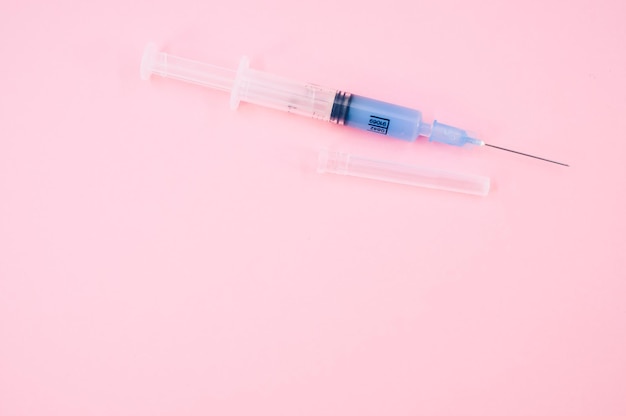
{"points": [[351, 165]]}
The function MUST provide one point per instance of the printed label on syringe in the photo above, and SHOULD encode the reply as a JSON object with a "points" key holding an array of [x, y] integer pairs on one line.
{"points": [[378, 124]]}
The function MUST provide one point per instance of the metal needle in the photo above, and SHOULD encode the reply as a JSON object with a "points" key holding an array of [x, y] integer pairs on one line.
{"points": [[526, 154]]}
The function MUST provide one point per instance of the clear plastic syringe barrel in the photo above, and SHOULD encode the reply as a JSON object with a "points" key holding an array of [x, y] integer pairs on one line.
{"points": [[262, 88], [305, 99], [244, 84]]}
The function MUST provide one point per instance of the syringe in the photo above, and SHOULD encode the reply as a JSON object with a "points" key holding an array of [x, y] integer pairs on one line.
{"points": [[327, 104]]}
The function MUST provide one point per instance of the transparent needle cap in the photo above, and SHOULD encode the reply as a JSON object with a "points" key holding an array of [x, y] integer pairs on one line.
{"points": [[351, 165]]}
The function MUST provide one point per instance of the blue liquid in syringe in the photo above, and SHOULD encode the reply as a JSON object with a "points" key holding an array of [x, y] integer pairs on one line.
{"points": [[383, 118], [376, 116]]}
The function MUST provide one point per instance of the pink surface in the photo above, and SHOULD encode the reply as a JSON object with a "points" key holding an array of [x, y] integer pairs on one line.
{"points": [[162, 255]]}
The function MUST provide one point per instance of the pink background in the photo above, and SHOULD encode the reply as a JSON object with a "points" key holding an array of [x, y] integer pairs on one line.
{"points": [[162, 255]]}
